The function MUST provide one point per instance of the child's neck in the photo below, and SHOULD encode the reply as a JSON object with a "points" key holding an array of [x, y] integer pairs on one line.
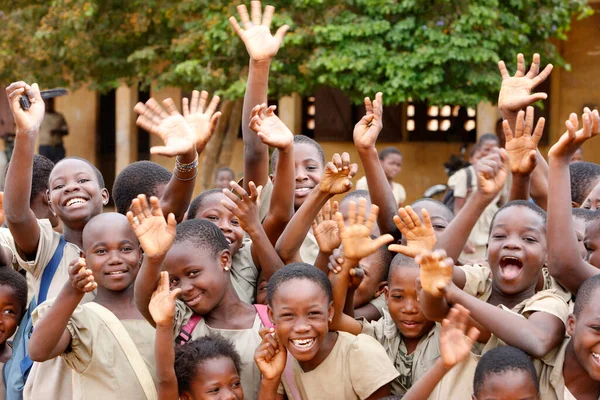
{"points": [[5, 352], [577, 380], [73, 235], [121, 303], [322, 354], [231, 313], [509, 300]]}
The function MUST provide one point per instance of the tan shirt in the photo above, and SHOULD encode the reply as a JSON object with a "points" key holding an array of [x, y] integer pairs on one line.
{"points": [[245, 341], [244, 274], [356, 367], [51, 122], [397, 189], [380, 303], [102, 366]]}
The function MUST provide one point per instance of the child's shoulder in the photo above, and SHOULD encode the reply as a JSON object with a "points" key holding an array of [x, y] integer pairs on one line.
{"points": [[550, 301], [478, 280]]}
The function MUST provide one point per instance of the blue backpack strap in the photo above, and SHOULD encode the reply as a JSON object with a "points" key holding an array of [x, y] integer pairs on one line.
{"points": [[50, 270]]}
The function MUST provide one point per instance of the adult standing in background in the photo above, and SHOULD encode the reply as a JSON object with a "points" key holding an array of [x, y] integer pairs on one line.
{"points": [[53, 129], [391, 162]]}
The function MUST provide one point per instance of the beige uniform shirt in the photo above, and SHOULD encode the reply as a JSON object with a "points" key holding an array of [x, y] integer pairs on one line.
{"points": [[245, 341], [103, 369], [355, 369], [244, 274], [380, 303], [397, 189], [51, 122]]}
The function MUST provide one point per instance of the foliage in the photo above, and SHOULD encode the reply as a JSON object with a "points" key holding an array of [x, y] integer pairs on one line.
{"points": [[441, 51]]}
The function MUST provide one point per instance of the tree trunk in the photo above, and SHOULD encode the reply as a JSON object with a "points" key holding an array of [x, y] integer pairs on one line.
{"points": [[233, 130], [211, 152]]}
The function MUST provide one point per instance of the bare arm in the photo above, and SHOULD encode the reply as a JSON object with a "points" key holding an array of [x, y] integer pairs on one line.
{"points": [[539, 182], [20, 218]]}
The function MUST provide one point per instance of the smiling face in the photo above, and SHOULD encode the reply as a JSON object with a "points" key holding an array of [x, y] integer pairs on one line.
{"points": [[217, 378], [392, 165], [516, 249], [403, 302], [10, 312], [592, 202], [309, 171], [200, 275], [213, 210], [439, 214], [300, 310], [592, 244], [75, 194], [112, 251], [508, 385], [223, 178], [371, 285], [585, 337]]}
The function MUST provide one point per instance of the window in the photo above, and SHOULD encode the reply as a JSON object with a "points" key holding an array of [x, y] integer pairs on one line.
{"points": [[425, 123]]}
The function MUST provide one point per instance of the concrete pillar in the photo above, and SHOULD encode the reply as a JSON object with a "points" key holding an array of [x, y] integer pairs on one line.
{"points": [[487, 115], [80, 109], [290, 112], [126, 130], [160, 95]]}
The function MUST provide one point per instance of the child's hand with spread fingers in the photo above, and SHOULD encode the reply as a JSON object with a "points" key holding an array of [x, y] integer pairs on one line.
{"points": [[162, 304], [456, 340], [325, 228], [270, 129], [492, 172], [337, 175], [420, 236], [574, 137], [436, 271], [245, 207], [521, 145]]}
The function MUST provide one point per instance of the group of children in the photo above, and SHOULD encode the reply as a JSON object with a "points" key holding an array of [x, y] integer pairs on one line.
{"points": [[268, 289]]}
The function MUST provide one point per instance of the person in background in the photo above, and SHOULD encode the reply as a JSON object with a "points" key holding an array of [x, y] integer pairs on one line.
{"points": [[52, 130], [391, 161], [578, 156]]}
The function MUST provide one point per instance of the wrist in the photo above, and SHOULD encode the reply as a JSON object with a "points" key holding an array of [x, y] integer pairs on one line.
{"points": [[366, 150], [482, 199], [260, 63], [288, 149], [187, 158], [165, 326], [154, 260]]}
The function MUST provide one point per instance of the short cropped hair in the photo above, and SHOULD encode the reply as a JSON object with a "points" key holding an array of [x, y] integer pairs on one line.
{"points": [[585, 214], [299, 139], [196, 204], [17, 282], [42, 167], [355, 195], [585, 294], [446, 211], [520, 203], [224, 169], [584, 177], [191, 355], [141, 177], [500, 360], [387, 151], [97, 172], [400, 260], [298, 271], [203, 235]]}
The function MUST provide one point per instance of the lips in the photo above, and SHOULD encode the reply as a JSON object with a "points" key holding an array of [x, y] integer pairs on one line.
{"points": [[75, 201], [410, 324], [116, 273], [193, 301], [303, 344], [302, 191], [510, 267]]}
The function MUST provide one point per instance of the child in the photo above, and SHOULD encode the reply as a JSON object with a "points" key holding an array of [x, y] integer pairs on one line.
{"points": [[107, 342], [223, 176], [323, 364], [197, 369], [584, 178], [391, 162], [505, 373], [581, 220], [591, 202], [13, 303], [197, 257], [564, 262]]}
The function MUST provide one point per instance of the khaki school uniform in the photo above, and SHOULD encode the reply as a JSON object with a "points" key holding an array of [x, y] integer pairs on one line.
{"points": [[356, 367], [380, 303], [103, 369], [397, 189], [245, 341], [244, 274], [51, 379]]}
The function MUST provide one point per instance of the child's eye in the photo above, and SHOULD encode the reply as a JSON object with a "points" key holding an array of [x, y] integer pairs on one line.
{"points": [[397, 297], [236, 384], [58, 187], [287, 315], [127, 248], [530, 239], [498, 236], [193, 273], [173, 281], [439, 227], [212, 218], [83, 180], [235, 222], [314, 313], [9, 312], [214, 390], [596, 328], [100, 251]]}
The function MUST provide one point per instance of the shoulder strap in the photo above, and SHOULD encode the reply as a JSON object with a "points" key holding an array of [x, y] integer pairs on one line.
{"points": [[185, 334], [129, 348], [263, 314], [50, 270]]}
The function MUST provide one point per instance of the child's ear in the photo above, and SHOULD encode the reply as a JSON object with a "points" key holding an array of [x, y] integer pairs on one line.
{"points": [[386, 290], [105, 196], [330, 312], [225, 259], [272, 178], [185, 396], [270, 314], [571, 321], [575, 204], [381, 288]]}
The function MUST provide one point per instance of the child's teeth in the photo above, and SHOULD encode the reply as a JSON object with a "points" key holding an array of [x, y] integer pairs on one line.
{"points": [[596, 356], [302, 342]]}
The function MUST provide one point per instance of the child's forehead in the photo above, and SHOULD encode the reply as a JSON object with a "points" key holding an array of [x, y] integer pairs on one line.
{"points": [[525, 216], [107, 227], [70, 167], [213, 202], [306, 151]]}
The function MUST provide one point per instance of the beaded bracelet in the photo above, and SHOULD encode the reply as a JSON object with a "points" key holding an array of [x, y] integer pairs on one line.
{"points": [[183, 168], [184, 179]]}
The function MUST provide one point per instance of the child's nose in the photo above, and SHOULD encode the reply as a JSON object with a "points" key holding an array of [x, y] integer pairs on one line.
{"points": [[301, 175]]}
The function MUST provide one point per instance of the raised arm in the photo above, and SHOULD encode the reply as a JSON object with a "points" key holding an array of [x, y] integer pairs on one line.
{"points": [[20, 218], [162, 308], [365, 136], [521, 146], [492, 171], [336, 180], [50, 338], [564, 261], [270, 357], [156, 236], [261, 47], [273, 132], [326, 233]]}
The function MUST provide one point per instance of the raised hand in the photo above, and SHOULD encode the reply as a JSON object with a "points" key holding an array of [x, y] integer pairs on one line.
{"points": [[366, 131], [436, 271], [256, 33], [571, 140], [337, 175], [271, 355], [245, 207], [81, 277], [28, 121], [455, 342], [356, 237], [269, 128], [162, 303], [177, 133], [492, 171], [156, 235], [521, 145], [325, 228], [419, 236], [515, 92], [201, 118]]}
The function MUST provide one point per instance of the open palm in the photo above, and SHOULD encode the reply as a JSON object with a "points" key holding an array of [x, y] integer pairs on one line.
{"points": [[366, 131], [515, 92], [521, 145], [202, 119], [156, 235], [456, 340], [420, 236], [270, 129]]}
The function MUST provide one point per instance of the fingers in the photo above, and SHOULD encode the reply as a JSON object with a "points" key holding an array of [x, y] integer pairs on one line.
{"points": [[399, 224], [280, 34], [519, 126], [372, 219], [535, 67], [508, 133], [214, 103], [170, 106], [185, 107], [163, 282], [339, 218], [426, 218], [236, 27], [520, 66], [214, 120], [201, 102], [255, 12], [196, 101], [337, 161], [529, 113], [382, 240], [243, 12], [368, 106], [155, 210], [268, 16], [157, 109], [539, 131], [362, 211], [351, 213], [378, 105], [541, 77], [503, 71], [407, 251]]}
